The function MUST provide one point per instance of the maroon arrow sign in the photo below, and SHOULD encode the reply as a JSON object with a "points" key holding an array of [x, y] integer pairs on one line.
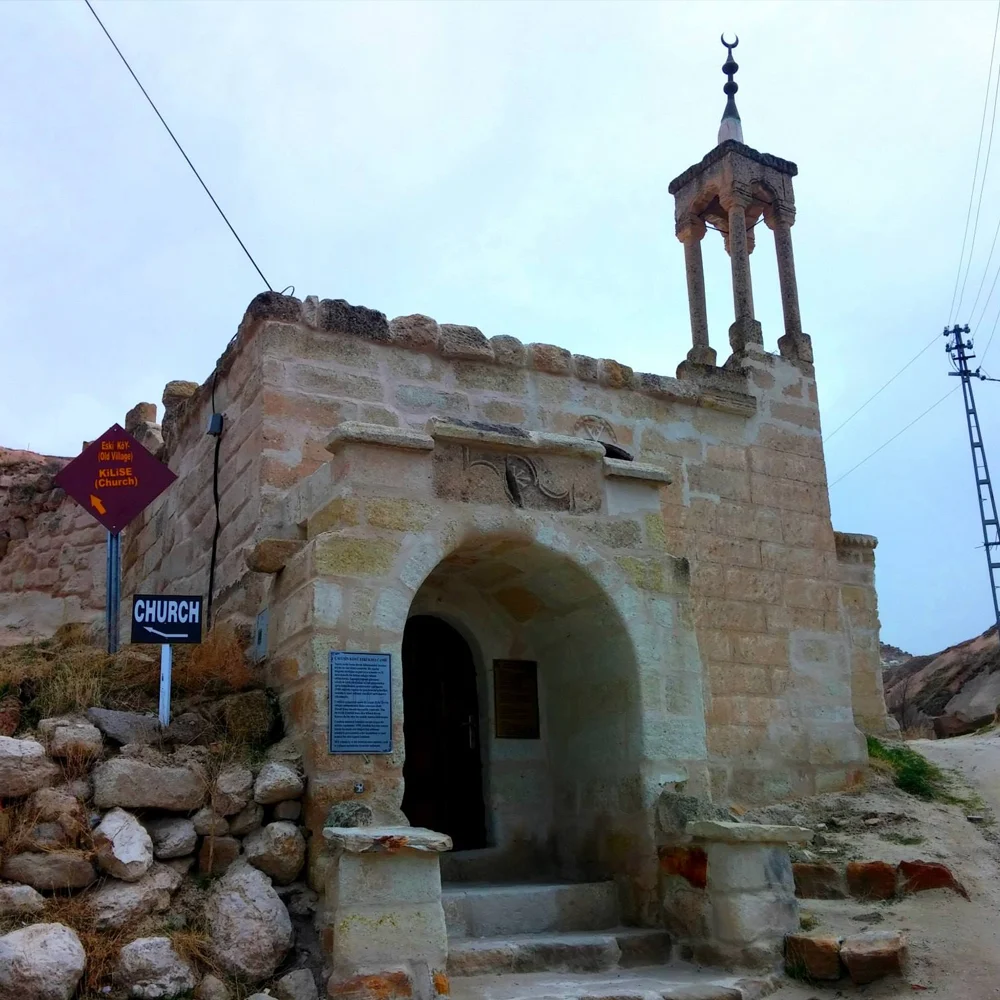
{"points": [[114, 478]]}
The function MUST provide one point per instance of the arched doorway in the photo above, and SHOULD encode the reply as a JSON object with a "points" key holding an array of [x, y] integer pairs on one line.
{"points": [[442, 774]]}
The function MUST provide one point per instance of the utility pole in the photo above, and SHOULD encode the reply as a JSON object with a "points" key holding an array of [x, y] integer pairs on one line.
{"points": [[959, 350]]}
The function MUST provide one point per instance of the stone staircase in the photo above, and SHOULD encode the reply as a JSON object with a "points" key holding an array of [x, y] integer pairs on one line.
{"points": [[565, 940]]}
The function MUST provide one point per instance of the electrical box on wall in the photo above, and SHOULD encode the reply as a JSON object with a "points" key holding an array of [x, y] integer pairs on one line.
{"points": [[259, 651]]}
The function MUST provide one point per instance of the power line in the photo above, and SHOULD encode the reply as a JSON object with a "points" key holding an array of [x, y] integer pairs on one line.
{"points": [[975, 172], [178, 145], [896, 435], [839, 426]]}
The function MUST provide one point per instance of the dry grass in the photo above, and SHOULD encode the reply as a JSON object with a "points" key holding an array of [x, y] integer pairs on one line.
{"points": [[216, 666], [101, 947]]}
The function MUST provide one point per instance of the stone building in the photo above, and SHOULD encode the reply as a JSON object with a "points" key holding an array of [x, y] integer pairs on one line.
{"points": [[596, 586]]}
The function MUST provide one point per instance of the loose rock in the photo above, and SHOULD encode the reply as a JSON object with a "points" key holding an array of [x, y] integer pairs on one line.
{"points": [[246, 820], [871, 879], [188, 729], [123, 847], [812, 957], [49, 870], [248, 924], [873, 955], [172, 838], [290, 810], [40, 962], [818, 881], [217, 854], [20, 901], [233, 789], [118, 903], [278, 849], [209, 824], [297, 985], [25, 768], [919, 876], [277, 782], [151, 969], [59, 805], [139, 784], [212, 988], [125, 727], [71, 737]]}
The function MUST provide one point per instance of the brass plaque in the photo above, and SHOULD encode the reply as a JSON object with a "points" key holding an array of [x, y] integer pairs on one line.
{"points": [[515, 692]]}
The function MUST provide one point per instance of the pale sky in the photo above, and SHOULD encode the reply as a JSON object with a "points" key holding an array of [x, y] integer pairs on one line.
{"points": [[506, 165]]}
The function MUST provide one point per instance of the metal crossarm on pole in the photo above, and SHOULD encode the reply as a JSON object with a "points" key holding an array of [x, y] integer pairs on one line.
{"points": [[960, 351]]}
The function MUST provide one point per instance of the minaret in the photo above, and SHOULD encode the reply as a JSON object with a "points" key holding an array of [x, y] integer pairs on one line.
{"points": [[731, 189]]}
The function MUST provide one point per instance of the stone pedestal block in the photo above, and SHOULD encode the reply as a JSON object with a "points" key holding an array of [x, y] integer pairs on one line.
{"points": [[383, 909]]}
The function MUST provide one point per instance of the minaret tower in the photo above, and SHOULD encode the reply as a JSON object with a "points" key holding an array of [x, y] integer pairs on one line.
{"points": [[731, 189]]}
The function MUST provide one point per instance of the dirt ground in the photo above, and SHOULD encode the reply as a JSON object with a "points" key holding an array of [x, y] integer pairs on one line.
{"points": [[954, 944]]}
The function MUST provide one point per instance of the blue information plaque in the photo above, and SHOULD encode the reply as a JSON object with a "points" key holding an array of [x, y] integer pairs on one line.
{"points": [[360, 702]]}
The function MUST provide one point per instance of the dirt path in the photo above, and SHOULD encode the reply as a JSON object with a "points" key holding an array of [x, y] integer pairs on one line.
{"points": [[977, 758]]}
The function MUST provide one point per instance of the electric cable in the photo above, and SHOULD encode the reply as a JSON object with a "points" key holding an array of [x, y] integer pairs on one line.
{"points": [[179, 146], [896, 435]]}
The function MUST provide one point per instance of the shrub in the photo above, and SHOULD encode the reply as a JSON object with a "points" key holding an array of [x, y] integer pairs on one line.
{"points": [[913, 772]]}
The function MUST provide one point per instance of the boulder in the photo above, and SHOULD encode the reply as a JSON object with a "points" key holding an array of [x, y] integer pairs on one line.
{"points": [[279, 849], [276, 782], [117, 903], [209, 824], [122, 845], [217, 854], [40, 962], [812, 956], [212, 988], [24, 767], [71, 738], [232, 790], [246, 820], [141, 784], [49, 871], [20, 901], [247, 717], [873, 955], [297, 985], [172, 837], [918, 876], [248, 924], [871, 879], [290, 809], [125, 727], [150, 968]]}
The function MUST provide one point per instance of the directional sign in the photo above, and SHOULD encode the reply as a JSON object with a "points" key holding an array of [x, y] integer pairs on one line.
{"points": [[114, 478], [166, 618]]}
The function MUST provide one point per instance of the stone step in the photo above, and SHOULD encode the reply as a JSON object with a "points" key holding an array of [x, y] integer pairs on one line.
{"points": [[481, 911], [597, 951], [674, 982]]}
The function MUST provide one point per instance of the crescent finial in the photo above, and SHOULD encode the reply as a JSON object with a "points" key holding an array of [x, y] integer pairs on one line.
{"points": [[729, 45]]}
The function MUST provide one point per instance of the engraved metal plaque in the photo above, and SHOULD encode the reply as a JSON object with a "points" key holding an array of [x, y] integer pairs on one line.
{"points": [[515, 692], [360, 702]]}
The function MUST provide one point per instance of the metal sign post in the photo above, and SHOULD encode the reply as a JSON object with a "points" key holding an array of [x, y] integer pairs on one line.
{"points": [[165, 665], [113, 597]]}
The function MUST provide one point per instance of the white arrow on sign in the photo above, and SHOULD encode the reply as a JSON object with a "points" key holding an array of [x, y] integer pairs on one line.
{"points": [[165, 635]]}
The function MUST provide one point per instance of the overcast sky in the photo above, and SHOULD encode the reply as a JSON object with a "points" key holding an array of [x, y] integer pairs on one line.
{"points": [[506, 165]]}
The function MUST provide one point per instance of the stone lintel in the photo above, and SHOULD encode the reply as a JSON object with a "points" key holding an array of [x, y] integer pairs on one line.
{"points": [[724, 149], [385, 839], [636, 470], [847, 540], [270, 555], [727, 401], [748, 833], [513, 438], [356, 432]]}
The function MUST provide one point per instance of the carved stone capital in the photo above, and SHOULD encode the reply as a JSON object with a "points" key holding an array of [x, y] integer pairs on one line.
{"points": [[779, 215], [690, 229], [737, 196]]}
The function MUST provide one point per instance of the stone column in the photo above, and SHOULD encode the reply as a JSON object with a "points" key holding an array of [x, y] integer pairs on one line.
{"points": [[690, 232], [746, 330], [794, 343]]}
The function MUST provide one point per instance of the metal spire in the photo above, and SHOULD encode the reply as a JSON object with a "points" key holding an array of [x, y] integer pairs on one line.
{"points": [[731, 127]]}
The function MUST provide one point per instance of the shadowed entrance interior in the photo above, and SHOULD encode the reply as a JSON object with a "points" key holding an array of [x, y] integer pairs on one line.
{"points": [[443, 768]]}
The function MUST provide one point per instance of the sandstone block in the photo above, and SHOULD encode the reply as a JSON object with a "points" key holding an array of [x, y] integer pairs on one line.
{"points": [[41, 962], [871, 879], [549, 358], [122, 846], [919, 876], [340, 556], [172, 838], [749, 868], [745, 917], [249, 926], [277, 782], [125, 727], [270, 555], [297, 985], [389, 985], [246, 820], [209, 823], [463, 342], [116, 903], [233, 790], [217, 854], [279, 849], [873, 955], [812, 957], [49, 871], [24, 767], [615, 375], [818, 881], [418, 332], [508, 351], [339, 316], [20, 901], [139, 784], [150, 968]]}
